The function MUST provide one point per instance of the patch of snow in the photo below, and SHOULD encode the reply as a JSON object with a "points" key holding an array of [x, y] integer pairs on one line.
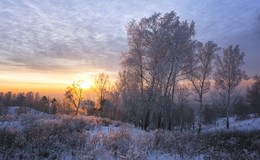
{"points": [[235, 125], [13, 110]]}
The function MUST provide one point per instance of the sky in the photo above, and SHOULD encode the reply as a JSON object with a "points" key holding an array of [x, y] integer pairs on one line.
{"points": [[46, 45]]}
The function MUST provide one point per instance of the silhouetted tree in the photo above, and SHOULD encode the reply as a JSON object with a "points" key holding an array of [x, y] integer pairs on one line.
{"points": [[8, 99], [101, 87], [54, 106], [241, 108], [20, 99], [29, 99], [45, 104], [253, 95], [74, 95], [209, 114]]}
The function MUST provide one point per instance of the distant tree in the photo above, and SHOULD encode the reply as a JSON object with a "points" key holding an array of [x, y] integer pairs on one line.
{"points": [[2, 97], [228, 75], [45, 104], [29, 99], [114, 99], [37, 101], [20, 99], [183, 115], [101, 87], [74, 95], [199, 72], [2, 106], [8, 99], [241, 108], [253, 95], [54, 106], [209, 114], [3, 109]]}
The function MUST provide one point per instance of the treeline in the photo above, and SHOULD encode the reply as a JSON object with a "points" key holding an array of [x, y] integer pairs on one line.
{"points": [[26, 101]]}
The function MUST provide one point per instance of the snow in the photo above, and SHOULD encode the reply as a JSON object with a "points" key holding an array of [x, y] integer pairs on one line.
{"points": [[235, 125], [12, 110], [103, 134]]}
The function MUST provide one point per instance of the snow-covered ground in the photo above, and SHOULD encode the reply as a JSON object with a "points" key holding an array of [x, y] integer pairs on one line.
{"points": [[89, 137], [235, 125], [15, 110]]}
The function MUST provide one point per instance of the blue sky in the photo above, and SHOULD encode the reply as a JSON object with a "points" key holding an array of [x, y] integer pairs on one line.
{"points": [[83, 38]]}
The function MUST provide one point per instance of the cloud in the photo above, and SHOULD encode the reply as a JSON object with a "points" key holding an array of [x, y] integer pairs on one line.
{"points": [[68, 35], [38, 36], [257, 28]]}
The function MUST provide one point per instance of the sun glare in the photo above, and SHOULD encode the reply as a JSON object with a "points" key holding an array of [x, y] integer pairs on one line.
{"points": [[86, 84]]}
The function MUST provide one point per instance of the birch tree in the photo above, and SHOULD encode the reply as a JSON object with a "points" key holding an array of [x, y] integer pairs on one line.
{"points": [[229, 74], [159, 47], [200, 71]]}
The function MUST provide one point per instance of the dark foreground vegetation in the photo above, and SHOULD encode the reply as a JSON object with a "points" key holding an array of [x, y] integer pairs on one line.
{"points": [[50, 137]]}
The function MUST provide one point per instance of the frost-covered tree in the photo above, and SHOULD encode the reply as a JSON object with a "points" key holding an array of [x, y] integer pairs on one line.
{"points": [[199, 73], [159, 49], [228, 75], [74, 95], [101, 87]]}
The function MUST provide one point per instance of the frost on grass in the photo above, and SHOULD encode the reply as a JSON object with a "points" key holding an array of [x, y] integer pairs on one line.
{"points": [[30, 136]]}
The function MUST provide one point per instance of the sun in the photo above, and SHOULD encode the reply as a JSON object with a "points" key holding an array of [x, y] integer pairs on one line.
{"points": [[86, 84]]}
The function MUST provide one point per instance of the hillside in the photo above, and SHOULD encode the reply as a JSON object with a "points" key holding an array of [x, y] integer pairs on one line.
{"points": [[42, 136]]}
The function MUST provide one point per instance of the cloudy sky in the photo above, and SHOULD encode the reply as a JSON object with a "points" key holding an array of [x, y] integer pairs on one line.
{"points": [[50, 43]]}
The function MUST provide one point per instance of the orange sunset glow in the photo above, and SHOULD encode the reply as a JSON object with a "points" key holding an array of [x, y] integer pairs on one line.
{"points": [[47, 83], [45, 46], [129, 79]]}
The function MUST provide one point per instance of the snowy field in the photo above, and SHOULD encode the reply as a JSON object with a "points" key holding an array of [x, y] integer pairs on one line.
{"points": [[42, 136], [235, 125]]}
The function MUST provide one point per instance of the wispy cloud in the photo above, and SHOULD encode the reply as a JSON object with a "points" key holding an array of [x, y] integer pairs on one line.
{"points": [[67, 35]]}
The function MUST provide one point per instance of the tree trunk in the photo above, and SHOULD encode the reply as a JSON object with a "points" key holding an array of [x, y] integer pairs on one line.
{"points": [[228, 107], [200, 115], [227, 118], [77, 111]]}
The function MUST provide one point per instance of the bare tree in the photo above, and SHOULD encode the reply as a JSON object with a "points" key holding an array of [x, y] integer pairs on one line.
{"points": [[229, 74], [200, 71], [74, 94], [101, 87]]}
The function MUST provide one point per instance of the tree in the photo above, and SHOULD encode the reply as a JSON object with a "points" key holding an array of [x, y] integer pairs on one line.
{"points": [[209, 114], [199, 72], [74, 95], [253, 95], [29, 99], [101, 88], [20, 99], [45, 104], [159, 47], [228, 75], [8, 99], [183, 115], [241, 108], [54, 106]]}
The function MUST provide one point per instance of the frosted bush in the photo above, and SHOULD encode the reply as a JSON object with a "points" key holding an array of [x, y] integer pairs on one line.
{"points": [[118, 141]]}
